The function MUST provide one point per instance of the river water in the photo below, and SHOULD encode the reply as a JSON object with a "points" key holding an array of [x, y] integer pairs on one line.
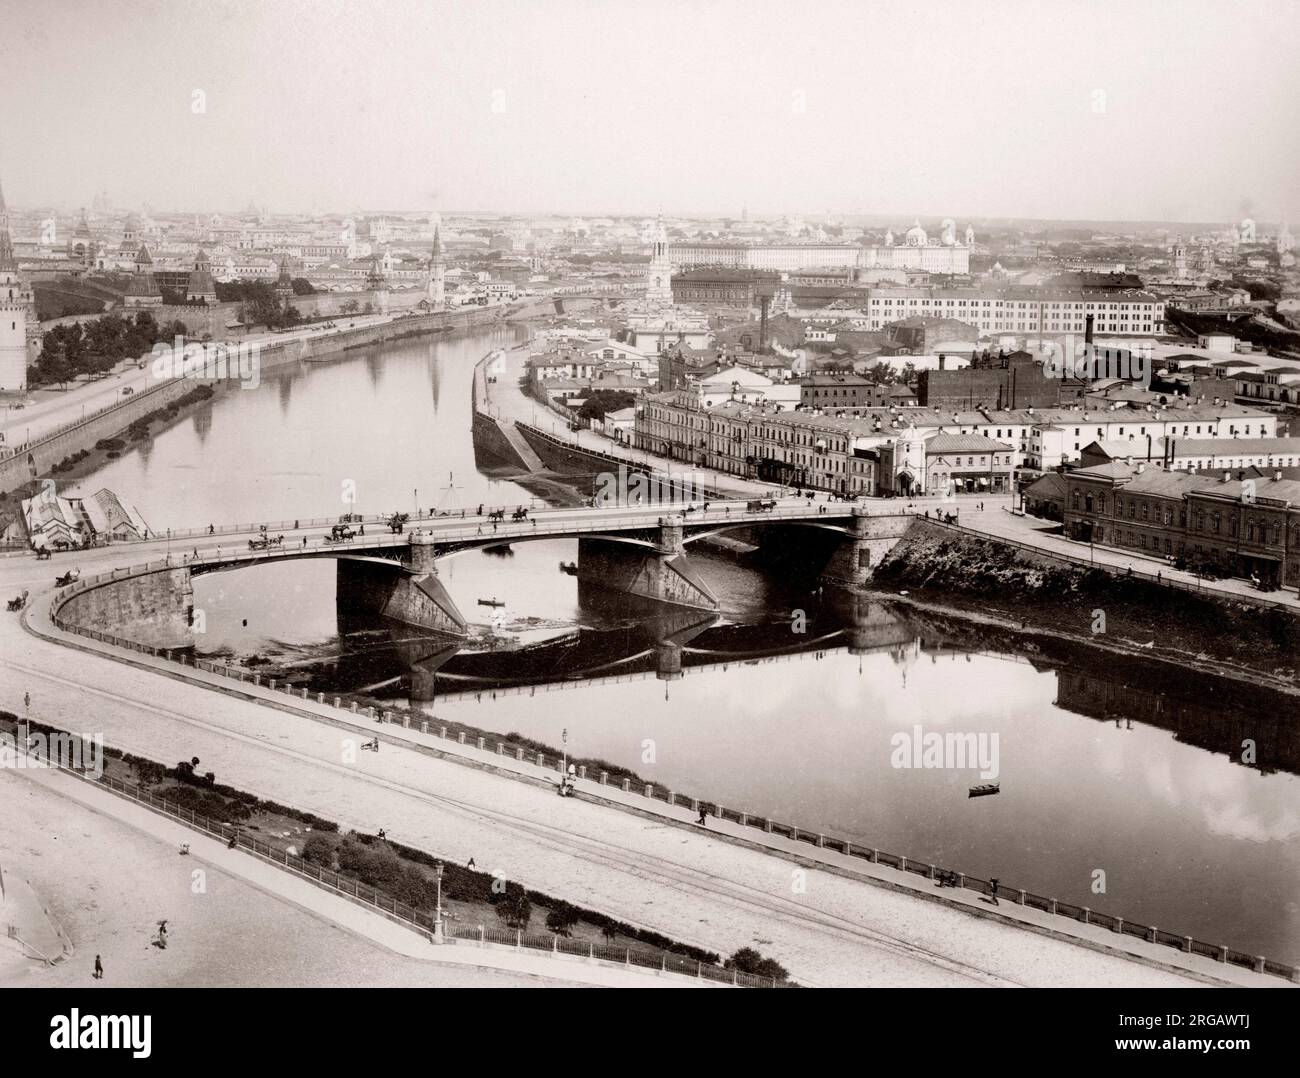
{"points": [[1121, 787]]}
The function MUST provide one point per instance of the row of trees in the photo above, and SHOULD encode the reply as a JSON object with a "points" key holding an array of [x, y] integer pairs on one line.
{"points": [[95, 348]]}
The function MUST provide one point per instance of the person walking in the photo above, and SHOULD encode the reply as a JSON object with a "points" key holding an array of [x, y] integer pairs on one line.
{"points": [[704, 817], [99, 969], [993, 890]]}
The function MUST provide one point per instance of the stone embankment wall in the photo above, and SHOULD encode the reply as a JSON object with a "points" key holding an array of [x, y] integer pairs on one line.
{"points": [[34, 460], [148, 608], [971, 572]]}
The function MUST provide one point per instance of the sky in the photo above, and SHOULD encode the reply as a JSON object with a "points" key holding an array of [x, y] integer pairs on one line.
{"points": [[1173, 110]]}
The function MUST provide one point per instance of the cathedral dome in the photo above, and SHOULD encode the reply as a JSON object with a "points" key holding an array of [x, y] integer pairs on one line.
{"points": [[916, 236]]}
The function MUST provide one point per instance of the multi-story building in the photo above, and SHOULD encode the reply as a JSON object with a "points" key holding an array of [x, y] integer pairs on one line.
{"points": [[1243, 525], [724, 287], [917, 252], [1022, 310]]}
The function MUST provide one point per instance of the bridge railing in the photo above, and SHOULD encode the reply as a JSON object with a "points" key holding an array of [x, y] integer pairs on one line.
{"points": [[421, 920]]}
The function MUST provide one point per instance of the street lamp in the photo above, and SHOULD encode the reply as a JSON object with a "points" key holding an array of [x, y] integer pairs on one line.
{"points": [[437, 924]]}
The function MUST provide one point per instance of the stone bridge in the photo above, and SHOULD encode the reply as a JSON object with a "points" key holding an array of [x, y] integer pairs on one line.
{"points": [[642, 552]]}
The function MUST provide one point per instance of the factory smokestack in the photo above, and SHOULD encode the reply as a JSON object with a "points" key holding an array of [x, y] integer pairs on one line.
{"points": [[762, 324]]}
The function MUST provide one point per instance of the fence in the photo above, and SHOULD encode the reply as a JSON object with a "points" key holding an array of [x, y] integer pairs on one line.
{"points": [[420, 920], [1161, 579]]}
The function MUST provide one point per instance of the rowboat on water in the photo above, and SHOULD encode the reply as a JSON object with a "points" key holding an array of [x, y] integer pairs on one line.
{"points": [[491, 602], [984, 789]]}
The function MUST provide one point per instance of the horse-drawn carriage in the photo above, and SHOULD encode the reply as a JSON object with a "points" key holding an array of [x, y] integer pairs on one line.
{"points": [[265, 542], [340, 533], [19, 602], [70, 577], [760, 505], [397, 522]]}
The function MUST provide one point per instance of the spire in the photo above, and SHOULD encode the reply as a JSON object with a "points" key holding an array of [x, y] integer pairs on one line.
{"points": [[8, 261], [436, 253]]}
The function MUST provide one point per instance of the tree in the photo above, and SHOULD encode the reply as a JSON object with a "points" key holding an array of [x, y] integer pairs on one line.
{"points": [[882, 373], [603, 401], [350, 307], [748, 960], [562, 919], [513, 907]]}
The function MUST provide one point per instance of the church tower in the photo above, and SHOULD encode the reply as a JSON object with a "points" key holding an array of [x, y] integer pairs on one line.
{"points": [[436, 286], [16, 309], [659, 274]]}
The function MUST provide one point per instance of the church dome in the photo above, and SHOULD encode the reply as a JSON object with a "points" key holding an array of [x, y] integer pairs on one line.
{"points": [[916, 236]]}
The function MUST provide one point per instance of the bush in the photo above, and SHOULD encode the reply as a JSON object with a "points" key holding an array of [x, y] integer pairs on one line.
{"points": [[513, 906], [562, 919], [748, 960]]}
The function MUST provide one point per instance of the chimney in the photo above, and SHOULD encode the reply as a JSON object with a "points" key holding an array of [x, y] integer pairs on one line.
{"points": [[1087, 330], [943, 360]]}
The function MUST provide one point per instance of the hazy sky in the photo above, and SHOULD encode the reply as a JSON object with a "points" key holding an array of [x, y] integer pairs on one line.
{"points": [[1056, 108]]}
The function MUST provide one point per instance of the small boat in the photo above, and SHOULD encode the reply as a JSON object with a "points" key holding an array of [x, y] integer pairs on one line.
{"points": [[984, 789], [490, 602]]}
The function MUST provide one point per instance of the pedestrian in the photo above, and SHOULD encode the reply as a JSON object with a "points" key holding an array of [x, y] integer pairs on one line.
{"points": [[471, 863], [704, 816], [480, 509], [99, 969], [480, 530], [993, 889], [1158, 575], [304, 542], [295, 525], [362, 530], [234, 841], [211, 529]]}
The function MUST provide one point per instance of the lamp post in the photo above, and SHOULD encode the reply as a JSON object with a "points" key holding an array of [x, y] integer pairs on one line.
{"points": [[437, 924]]}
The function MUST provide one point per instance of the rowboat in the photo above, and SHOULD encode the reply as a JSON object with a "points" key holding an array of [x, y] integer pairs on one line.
{"points": [[984, 789], [490, 602]]}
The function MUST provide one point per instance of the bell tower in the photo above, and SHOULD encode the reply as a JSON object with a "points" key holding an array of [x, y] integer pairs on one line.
{"points": [[659, 274]]}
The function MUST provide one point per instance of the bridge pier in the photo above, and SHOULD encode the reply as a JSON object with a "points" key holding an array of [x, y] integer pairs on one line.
{"points": [[661, 573], [410, 592], [872, 537]]}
